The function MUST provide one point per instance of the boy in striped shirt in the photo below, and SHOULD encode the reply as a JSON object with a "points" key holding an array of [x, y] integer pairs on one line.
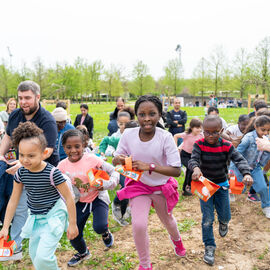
{"points": [[209, 158]]}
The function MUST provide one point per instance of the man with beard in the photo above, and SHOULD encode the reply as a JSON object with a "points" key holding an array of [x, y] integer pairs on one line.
{"points": [[30, 110]]}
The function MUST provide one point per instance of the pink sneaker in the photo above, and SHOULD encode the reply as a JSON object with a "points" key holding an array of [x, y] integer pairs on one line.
{"points": [[149, 268], [179, 248]]}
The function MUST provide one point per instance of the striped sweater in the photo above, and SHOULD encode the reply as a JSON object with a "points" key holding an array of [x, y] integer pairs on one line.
{"points": [[212, 159]]}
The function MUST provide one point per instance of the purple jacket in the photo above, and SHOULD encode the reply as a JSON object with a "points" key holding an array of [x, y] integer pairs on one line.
{"points": [[133, 189]]}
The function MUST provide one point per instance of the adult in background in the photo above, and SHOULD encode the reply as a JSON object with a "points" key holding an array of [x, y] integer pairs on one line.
{"points": [[60, 116], [30, 110], [112, 126], [85, 119], [11, 106], [62, 104], [258, 104], [176, 118]]}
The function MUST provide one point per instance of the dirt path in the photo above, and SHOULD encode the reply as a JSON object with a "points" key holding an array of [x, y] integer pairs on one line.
{"points": [[246, 247]]}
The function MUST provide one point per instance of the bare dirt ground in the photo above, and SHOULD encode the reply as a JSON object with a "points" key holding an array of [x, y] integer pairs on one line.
{"points": [[246, 247]]}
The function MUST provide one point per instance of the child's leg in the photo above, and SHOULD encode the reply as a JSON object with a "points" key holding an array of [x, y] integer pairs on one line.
{"points": [[140, 207], [207, 209], [45, 241], [222, 205], [83, 212], [168, 220], [19, 220], [260, 186], [184, 160], [100, 216]]}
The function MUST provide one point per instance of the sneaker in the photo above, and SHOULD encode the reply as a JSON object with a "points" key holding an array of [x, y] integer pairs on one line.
{"points": [[179, 249], [253, 197], [142, 268], [223, 229], [116, 212], [209, 255], [78, 258], [108, 239], [266, 211], [123, 222], [232, 197], [17, 256]]}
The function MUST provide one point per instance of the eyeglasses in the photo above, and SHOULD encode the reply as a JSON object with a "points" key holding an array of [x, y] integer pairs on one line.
{"points": [[215, 133]]}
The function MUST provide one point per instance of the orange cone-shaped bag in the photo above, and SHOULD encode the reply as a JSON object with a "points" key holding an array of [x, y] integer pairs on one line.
{"points": [[235, 186], [7, 248], [96, 177], [204, 188], [127, 170]]}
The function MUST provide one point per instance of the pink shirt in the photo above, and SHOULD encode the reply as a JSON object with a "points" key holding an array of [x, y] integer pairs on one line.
{"points": [[189, 140], [77, 171], [161, 150]]}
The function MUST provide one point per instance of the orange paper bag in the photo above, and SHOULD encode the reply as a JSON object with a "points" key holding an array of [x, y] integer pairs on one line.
{"points": [[235, 186], [7, 248], [127, 170], [96, 177], [204, 188]]}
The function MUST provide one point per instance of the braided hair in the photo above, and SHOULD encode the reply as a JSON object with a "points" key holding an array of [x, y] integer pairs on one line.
{"points": [[28, 130], [148, 98]]}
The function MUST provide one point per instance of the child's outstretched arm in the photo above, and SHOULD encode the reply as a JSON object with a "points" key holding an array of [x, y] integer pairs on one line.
{"points": [[114, 176], [177, 136], [72, 230], [164, 170], [11, 208], [242, 165]]}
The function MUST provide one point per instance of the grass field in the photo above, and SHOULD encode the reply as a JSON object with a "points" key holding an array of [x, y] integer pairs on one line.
{"points": [[119, 260]]}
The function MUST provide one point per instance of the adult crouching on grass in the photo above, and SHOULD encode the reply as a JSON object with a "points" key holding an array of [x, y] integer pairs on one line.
{"points": [[85, 119]]}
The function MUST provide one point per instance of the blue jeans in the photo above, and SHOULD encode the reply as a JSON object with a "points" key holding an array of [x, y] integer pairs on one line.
{"points": [[19, 220], [219, 201], [100, 221], [259, 184]]}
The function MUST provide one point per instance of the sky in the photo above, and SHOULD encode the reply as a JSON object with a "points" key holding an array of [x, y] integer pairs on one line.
{"points": [[122, 32]]}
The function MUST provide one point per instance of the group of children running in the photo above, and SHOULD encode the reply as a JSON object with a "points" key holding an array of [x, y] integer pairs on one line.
{"points": [[154, 152]]}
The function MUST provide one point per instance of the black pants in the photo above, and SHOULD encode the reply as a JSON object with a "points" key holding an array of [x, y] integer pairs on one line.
{"points": [[124, 203], [185, 157], [100, 221]]}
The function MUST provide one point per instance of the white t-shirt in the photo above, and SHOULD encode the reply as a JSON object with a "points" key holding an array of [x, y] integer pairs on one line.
{"points": [[235, 130], [160, 150]]}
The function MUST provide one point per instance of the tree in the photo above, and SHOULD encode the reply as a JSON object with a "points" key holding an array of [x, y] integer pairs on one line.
{"points": [[113, 84], [262, 60], [217, 59], [142, 82], [201, 77], [241, 70], [40, 75], [173, 73], [8, 82]]}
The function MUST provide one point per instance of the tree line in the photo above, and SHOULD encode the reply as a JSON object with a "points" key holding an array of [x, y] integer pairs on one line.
{"points": [[247, 72]]}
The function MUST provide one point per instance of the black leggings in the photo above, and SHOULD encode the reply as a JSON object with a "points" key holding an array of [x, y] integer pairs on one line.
{"points": [[185, 157]]}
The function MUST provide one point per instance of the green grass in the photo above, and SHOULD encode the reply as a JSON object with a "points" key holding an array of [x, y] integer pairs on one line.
{"points": [[186, 225]]}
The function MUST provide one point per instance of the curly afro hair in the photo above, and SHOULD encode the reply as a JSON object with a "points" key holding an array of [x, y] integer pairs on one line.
{"points": [[28, 130]]}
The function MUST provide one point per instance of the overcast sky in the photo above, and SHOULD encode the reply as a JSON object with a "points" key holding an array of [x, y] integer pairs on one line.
{"points": [[124, 31]]}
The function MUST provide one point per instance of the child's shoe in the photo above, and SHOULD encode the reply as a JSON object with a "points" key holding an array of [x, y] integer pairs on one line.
{"points": [[266, 211], [209, 255], [108, 239], [78, 258], [179, 248], [116, 212], [149, 268], [253, 197], [223, 229]]}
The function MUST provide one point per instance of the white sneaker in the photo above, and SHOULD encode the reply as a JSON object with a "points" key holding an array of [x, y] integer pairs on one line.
{"points": [[266, 211], [15, 257]]}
